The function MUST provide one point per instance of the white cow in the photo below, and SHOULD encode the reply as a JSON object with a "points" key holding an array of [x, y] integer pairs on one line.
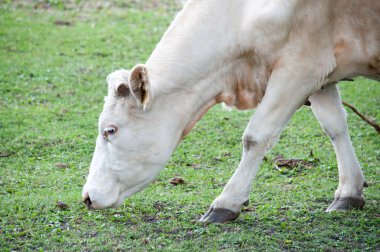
{"points": [[269, 54]]}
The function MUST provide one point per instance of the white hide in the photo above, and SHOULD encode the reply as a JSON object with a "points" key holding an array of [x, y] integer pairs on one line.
{"points": [[272, 55]]}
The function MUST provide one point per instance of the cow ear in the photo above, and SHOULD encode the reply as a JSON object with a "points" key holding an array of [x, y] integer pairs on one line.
{"points": [[122, 90], [118, 83], [140, 86]]}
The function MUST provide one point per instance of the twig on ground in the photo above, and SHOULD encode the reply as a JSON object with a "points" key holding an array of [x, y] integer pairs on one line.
{"points": [[369, 121], [277, 168]]}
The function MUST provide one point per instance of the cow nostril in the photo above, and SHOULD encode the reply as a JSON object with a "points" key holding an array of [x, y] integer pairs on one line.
{"points": [[87, 201]]}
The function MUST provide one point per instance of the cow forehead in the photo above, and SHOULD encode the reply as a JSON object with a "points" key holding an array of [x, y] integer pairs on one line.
{"points": [[116, 78], [120, 111]]}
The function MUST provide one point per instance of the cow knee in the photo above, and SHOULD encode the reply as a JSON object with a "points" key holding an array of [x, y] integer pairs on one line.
{"points": [[260, 142], [249, 142]]}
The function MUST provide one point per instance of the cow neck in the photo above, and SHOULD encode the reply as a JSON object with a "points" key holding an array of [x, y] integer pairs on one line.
{"points": [[184, 85], [238, 82], [184, 103]]}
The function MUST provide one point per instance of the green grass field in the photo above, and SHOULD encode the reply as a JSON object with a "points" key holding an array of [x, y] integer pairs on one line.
{"points": [[53, 63]]}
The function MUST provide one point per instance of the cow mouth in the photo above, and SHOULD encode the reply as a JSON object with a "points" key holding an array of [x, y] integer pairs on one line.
{"points": [[88, 203]]}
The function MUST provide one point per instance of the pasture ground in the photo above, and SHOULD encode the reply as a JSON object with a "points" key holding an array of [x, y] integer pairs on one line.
{"points": [[54, 57]]}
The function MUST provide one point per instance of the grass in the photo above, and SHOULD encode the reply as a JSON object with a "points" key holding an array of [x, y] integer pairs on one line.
{"points": [[52, 83]]}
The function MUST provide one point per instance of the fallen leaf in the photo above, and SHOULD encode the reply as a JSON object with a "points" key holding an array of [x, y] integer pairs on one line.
{"points": [[158, 205], [280, 161], [41, 6], [62, 165], [61, 205], [196, 166], [149, 219], [177, 181], [100, 54], [4, 154], [62, 23], [291, 163]]}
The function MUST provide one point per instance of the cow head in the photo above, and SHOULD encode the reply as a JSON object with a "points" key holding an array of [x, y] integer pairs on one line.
{"points": [[133, 144]]}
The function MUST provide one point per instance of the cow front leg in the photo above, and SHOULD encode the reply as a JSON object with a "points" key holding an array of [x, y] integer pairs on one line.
{"points": [[327, 107], [264, 128]]}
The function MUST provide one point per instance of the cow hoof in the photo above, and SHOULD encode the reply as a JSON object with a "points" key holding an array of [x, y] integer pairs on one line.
{"points": [[219, 215], [346, 203]]}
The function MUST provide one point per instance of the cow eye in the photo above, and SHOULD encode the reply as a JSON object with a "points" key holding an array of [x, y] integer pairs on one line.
{"points": [[109, 131]]}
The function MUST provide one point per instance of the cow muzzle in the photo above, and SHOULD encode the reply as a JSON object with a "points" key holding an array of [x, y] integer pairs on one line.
{"points": [[87, 201], [94, 199]]}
